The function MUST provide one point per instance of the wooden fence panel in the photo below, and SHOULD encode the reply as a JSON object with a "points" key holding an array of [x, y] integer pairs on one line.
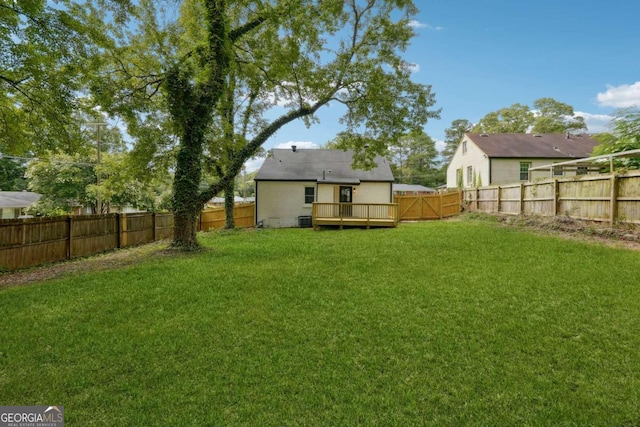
{"points": [[594, 197], [510, 200], [488, 199], [538, 198], [214, 218], [427, 207], [628, 209], [27, 242], [164, 226], [91, 234], [137, 229]]}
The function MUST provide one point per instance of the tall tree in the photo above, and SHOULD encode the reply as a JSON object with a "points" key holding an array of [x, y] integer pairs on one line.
{"points": [[623, 136], [453, 136], [42, 52], [292, 56], [517, 118], [12, 175], [555, 117], [414, 160]]}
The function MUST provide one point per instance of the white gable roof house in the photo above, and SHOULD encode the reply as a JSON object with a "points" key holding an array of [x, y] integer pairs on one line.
{"points": [[13, 203], [505, 158], [291, 180]]}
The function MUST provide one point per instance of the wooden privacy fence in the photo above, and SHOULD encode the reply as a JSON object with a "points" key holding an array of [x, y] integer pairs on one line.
{"points": [[609, 198], [214, 218], [28, 242], [428, 206]]}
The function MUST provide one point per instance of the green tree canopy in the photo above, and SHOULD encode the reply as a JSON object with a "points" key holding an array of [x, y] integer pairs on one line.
{"points": [[549, 116], [42, 56], [556, 117], [264, 63], [623, 136], [453, 136], [414, 160], [517, 118]]}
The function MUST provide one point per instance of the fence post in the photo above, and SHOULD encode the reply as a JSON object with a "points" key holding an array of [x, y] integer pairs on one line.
{"points": [[613, 206], [498, 201], [477, 198], [153, 220], [70, 221], [555, 197], [123, 230], [521, 197], [118, 237]]}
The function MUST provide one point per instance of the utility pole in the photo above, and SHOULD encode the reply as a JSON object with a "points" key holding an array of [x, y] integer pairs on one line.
{"points": [[98, 126]]}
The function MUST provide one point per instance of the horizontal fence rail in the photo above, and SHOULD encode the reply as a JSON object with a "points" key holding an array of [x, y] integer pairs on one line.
{"points": [[611, 198]]}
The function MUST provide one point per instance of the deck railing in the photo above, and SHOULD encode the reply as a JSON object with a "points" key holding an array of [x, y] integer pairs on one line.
{"points": [[364, 214]]}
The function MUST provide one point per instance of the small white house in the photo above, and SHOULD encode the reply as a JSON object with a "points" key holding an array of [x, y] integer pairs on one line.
{"points": [[291, 180], [505, 158], [14, 203]]}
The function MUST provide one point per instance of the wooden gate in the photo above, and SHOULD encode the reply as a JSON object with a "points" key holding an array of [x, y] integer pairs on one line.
{"points": [[428, 206]]}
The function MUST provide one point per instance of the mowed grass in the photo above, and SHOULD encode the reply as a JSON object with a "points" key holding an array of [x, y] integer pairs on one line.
{"points": [[439, 323]]}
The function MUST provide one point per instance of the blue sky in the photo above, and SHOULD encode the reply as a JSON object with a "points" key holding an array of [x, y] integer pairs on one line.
{"points": [[480, 56]]}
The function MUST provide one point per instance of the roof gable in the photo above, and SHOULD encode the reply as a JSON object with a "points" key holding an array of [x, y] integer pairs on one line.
{"points": [[18, 199], [526, 145], [319, 165]]}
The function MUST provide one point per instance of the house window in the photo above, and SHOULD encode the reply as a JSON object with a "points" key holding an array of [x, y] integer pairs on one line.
{"points": [[470, 175], [464, 147], [459, 182], [524, 171], [309, 195], [582, 170], [557, 171]]}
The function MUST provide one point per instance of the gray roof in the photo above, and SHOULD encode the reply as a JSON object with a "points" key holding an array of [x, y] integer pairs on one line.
{"points": [[413, 187], [327, 166], [18, 199], [527, 145]]}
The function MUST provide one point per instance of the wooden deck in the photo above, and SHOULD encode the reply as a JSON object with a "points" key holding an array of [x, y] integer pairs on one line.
{"points": [[355, 214]]}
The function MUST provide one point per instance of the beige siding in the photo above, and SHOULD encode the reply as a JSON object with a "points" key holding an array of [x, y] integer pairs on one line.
{"points": [[474, 158], [279, 204], [507, 171]]}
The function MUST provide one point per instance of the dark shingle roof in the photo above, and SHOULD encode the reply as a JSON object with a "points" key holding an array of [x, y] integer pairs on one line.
{"points": [[526, 145], [309, 165], [18, 199]]}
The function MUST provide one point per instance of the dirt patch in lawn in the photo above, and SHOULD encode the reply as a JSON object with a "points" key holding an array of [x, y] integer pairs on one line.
{"points": [[104, 261], [619, 235]]}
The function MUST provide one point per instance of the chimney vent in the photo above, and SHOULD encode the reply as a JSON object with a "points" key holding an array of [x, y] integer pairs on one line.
{"points": [[294, 148]]}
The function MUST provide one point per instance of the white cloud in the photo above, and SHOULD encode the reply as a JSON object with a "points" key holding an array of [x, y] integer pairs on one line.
{"points": [[298, 144], [620, 96], [417, 24], [253, 164], [596, 123], [440, 145]]}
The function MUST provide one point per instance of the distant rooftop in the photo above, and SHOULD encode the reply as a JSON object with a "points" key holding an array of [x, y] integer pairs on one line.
{"points": [[17, 199], [528, 145], [329, 166]]}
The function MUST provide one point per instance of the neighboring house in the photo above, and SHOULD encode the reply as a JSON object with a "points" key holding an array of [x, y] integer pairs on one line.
{"points": [[219, 201], [291, 180], [505, 158], [411, 190], [14, 203]]}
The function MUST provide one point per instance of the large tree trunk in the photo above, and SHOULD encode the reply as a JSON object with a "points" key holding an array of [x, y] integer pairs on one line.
{"points": [[229, 204], [186, 203], [190, 105]]}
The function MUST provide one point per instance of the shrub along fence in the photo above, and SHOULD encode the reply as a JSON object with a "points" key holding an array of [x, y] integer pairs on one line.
{"points": [[612, 198], [33, 241]]}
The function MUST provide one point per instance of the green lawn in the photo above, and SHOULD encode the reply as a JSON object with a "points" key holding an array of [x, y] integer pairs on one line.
{"points": [[439, 323]]}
